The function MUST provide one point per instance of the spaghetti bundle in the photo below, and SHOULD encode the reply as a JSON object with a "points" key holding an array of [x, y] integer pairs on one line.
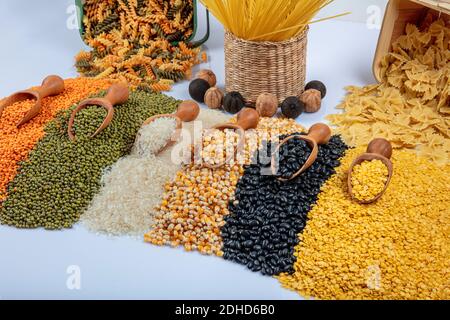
{"points": [[265, 20]]}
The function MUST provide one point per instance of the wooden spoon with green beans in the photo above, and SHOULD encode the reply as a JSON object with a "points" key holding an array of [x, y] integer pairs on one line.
{"points": [[117, 94]]}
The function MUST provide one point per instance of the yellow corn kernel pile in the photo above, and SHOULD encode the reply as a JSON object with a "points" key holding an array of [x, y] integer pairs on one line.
{"points": [[369, 179], [218, 144], [195, 203], [396, 248]]}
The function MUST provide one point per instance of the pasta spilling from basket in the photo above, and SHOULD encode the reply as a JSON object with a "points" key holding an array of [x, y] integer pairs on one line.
{"points": [[411, 106], [142, 42]]}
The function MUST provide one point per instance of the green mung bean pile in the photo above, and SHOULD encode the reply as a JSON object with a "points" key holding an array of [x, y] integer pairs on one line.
{"points": [[60, 178]]}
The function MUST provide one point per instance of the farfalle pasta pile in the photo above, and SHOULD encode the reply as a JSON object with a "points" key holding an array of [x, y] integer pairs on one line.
{"points": [[138, 41], [411, 106]]}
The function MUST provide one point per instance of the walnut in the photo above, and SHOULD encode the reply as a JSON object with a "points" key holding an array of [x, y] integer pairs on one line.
{"points": [[208, 76], [214, 98], [267, 105], [312, 99]]}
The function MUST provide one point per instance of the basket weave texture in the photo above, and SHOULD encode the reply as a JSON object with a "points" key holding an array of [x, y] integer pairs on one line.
{"points": [[252, 68]]}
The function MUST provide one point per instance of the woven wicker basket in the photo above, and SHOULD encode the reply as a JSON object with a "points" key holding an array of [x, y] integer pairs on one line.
{"points": [[252, 68]]}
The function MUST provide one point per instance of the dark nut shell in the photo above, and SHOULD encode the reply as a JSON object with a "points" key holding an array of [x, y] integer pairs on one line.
{"points": [[233, 102], [292, 107], [197, 89]]}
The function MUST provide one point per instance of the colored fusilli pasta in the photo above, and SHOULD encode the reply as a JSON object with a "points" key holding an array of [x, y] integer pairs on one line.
{"points": [[138, 41]]}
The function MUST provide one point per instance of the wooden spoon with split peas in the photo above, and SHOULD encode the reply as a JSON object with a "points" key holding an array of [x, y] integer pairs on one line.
{"points": [[117, 94], [51, 86], [248, 118], [318, 134], [378, 149], [187, 111]]}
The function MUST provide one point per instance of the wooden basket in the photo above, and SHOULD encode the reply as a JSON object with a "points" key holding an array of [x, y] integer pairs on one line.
{"points": [[252, 68], [398, 14]]}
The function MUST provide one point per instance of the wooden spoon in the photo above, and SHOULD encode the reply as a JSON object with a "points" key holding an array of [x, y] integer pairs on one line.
{"points": [[318, 134], [248, 118], [117, 94], [51, 86], [378, 149], [187, 111]]}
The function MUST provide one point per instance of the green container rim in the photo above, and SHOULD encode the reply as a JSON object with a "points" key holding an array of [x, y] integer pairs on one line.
{"points": [[191, 42]]}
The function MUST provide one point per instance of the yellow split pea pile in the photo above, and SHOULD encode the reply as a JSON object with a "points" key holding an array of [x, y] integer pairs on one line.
{"points": [[396, 248], [195, 203], [411, 106], [369, 179]]}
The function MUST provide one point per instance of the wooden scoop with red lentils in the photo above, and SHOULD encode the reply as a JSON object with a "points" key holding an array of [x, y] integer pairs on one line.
{"points": [[51, 86]]}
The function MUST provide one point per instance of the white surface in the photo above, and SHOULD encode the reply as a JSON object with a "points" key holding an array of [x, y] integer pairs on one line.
{"points": [[360, 10], [33, 263]]}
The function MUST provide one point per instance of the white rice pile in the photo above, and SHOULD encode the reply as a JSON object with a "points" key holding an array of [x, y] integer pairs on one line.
{"points": [[133, 187]]}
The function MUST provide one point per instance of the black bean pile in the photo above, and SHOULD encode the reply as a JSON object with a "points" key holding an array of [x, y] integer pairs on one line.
{"points": [[60, 178], [267, 215]]}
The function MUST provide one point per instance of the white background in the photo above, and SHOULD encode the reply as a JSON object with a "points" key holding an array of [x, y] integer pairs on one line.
{"points": [[360, 9], [33, 263]]}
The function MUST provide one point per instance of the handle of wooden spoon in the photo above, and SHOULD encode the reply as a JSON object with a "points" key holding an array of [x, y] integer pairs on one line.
{"points": [[188, 111], [248, 118], [380, 146], [51, 86], [320, 133], [118, 93]]}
